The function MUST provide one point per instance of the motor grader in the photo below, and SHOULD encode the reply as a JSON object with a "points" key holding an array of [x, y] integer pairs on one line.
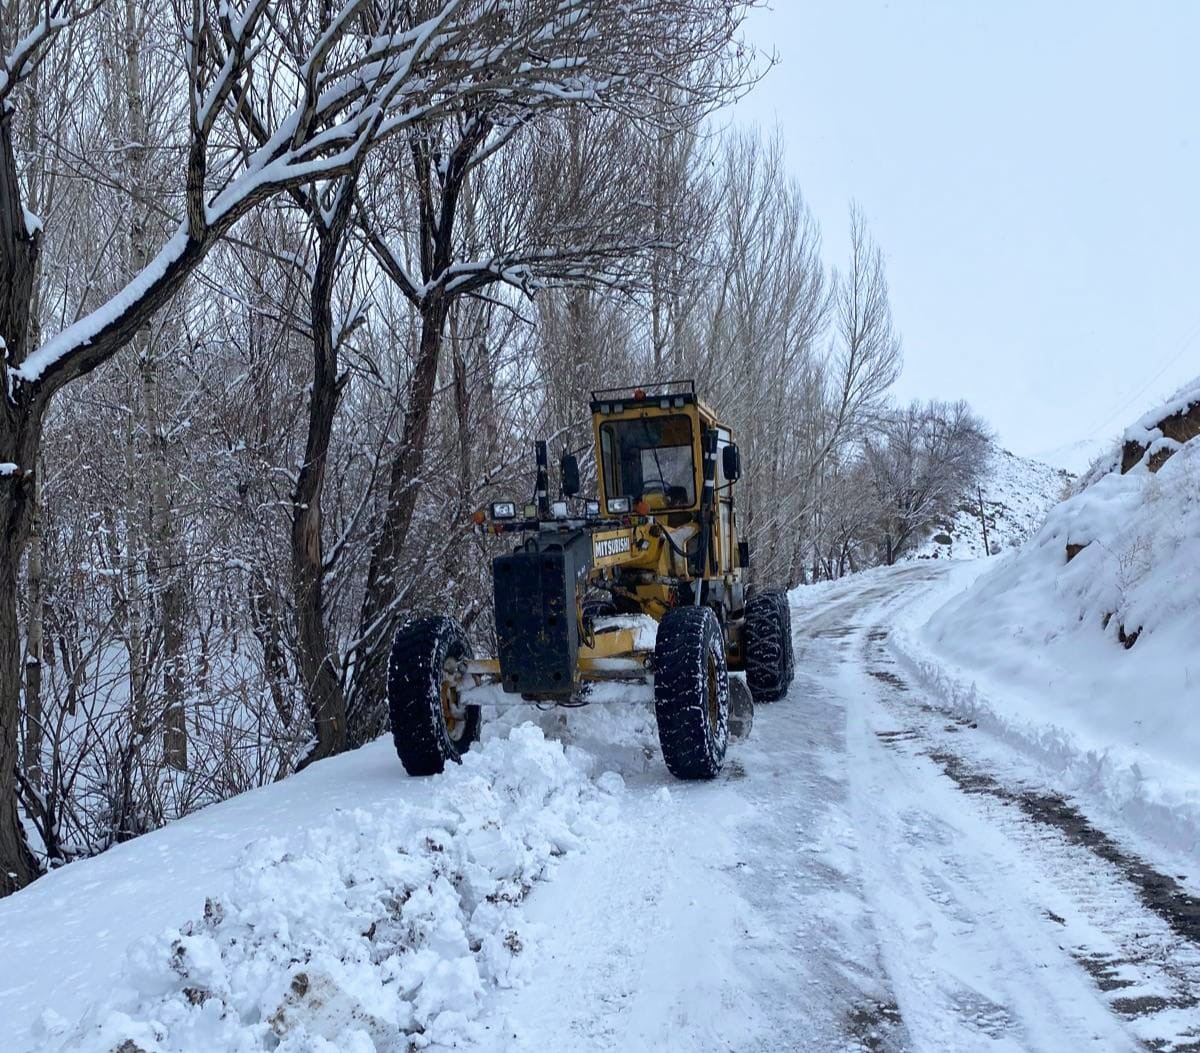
{"points": [[642, 584]]}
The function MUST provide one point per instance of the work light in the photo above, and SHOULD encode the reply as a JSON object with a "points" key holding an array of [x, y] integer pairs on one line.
{"points": [[618, 504], [504, 510]]}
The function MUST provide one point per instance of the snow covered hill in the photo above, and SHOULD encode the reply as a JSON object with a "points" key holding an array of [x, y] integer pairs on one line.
{"points": [[1074, 457], [1017, 494]]}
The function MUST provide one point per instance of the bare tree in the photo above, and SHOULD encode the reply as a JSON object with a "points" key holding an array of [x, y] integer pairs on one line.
{"points": [[319, 665], [540, 65], [921, 462], [358, 76]]}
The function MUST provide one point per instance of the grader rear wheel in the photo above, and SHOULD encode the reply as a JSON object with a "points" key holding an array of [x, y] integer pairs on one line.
{"points": [[429, 725], [770, 661]]}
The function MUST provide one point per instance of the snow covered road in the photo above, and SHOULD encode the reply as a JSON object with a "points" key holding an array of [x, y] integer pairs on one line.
{"points": [[869, 873], [855, 881]]}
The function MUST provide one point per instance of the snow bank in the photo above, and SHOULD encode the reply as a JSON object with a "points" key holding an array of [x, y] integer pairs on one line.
{"points": [[1146, 430], [373, 931], [1159, 434], [1094, 662]]}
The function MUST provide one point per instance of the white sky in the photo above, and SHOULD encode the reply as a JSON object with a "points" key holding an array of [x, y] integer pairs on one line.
{"points": [[1032, 172]]}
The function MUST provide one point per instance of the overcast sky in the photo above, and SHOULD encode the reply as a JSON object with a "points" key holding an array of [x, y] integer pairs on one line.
{"points": [[1032, 172]]}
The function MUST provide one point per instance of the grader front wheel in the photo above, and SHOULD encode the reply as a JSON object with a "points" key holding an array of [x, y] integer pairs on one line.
{"points": [[691, 692], [429, 725]]}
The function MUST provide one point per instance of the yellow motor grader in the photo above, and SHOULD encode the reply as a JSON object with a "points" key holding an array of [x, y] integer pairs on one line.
{"points": [[644, 583]]}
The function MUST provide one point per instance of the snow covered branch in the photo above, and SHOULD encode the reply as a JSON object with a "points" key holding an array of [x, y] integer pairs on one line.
{"points": [[23, 58]]}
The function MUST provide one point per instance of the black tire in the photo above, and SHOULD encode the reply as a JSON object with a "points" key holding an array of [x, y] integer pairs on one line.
{"points": [[426, 736], [691, 692], [785, 624], [767, 642]]}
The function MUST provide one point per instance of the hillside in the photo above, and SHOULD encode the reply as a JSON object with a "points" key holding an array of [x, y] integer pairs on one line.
{"points": [[1074, 457], [1082, 644], [1017, 493]]}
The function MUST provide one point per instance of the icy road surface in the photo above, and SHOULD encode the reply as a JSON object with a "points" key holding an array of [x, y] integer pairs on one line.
{"points": [[869, 873]]}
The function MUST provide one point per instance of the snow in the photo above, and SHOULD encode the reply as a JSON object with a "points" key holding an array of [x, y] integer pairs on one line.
{"points": [[1017, 494], [643, 627], [20, 59], [560, 891], [81, 333], [1145, 430], [257, 925], [1074, 457], [1034, 647], [33, 223]]}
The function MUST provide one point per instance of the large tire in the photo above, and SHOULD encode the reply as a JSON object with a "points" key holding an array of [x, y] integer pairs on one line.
{"points": [[767, 642], [785, 623], [691, 692], [426, 728]]}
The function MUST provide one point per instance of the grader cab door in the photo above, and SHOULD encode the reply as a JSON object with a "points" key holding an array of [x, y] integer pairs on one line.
{"points": [[726, 523]]}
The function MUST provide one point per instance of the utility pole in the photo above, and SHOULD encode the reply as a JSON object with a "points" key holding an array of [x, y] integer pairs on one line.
{"points": [[987, 550]]}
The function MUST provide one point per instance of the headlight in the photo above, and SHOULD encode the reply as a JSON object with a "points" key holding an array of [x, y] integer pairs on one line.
{"points": [[618, 504], [592, 508], [504, 510], [558, 509]]}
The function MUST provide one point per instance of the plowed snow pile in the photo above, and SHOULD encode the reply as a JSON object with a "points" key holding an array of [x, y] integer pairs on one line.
{"points": [[1095, 661], [378, 930]]}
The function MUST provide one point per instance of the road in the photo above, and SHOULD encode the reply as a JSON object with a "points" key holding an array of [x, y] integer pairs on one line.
{"points": [[867, 874]]}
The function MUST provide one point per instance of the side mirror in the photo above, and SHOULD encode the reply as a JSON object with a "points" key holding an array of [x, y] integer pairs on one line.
{"points": [[568, 470], [731, 463]]}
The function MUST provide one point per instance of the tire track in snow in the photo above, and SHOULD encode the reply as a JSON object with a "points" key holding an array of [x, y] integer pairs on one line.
{"points": [[965, 951], [1134, 929]]}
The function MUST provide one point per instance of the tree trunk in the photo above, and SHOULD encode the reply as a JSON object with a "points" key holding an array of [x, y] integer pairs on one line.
{"points": [[35, 635], [17, 865], [319, 666], [379, 612], [457, 567], [20, 430], [20, 427]]}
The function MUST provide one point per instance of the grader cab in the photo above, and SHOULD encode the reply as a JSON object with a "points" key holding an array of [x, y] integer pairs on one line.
{"points": [[642, 584]]}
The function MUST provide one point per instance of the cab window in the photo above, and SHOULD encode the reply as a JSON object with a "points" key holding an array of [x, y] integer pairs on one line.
{"points": [[650, 459]]}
